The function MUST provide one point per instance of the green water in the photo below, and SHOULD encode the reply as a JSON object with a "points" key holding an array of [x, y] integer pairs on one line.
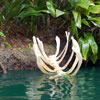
{"points": [[33, 85]]}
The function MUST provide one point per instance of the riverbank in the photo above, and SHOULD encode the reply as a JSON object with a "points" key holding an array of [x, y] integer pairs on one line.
{"points": [[21, 55]]}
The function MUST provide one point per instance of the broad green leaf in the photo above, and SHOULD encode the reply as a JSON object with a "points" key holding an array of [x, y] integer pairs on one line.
{"points": [[92, 43], [51, 8], [83, 3], [84, 47], [2, 34], [77, 17], [85, 12], [93, 58], [96, 24], [95, 9], [45, 11], [85, 22], [95, 20], [59, 13], [74, 28], [29, 12], [94, 47]]}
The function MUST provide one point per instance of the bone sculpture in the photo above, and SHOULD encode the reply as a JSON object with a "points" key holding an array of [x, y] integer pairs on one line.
{"points": [[54, 60]]}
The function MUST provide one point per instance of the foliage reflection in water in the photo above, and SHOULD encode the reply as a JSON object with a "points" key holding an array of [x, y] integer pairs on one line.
{"points": [[33, 85]]}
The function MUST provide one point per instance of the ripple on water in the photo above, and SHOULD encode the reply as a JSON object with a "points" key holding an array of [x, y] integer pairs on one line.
{"points": [[33, 85]]}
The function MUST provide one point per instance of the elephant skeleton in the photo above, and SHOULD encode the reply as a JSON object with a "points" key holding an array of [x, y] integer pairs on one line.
{"points": [[44, 62]]}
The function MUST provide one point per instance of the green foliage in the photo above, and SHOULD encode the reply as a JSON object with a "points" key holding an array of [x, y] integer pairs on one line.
{"points": [[85, 12], [2, 34], [29, 45], [77, 18], [10, 10], [80, 16], [66, 76], [52, 10], [4, 42], [88, 47]]}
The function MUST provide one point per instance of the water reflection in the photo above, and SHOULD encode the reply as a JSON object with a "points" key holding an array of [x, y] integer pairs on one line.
{"points": [[44, 89], [33, 85], [88, 84], [83, 87]]}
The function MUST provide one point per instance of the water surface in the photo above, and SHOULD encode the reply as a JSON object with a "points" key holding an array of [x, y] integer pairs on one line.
{"points": [[33, 85]]}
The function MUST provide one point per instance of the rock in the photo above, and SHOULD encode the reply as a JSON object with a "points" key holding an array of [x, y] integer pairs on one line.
{"points": [[21, 58]]}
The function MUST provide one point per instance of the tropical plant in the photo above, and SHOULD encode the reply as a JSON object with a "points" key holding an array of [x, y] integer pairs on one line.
{"points": [[10, 10], [85, 12], [80, 17], [4, 42]]}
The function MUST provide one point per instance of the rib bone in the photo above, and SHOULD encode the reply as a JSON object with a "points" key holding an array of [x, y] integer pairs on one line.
{"points": [[54, 60]]}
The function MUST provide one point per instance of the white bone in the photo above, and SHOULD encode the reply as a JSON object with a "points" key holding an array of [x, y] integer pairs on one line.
{"points": [[47, 60], [58, 45], [54, 60], [66, 46], [67, 63]]}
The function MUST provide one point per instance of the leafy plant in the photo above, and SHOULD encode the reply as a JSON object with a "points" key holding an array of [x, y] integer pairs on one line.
{"points": [[85, 15], [88, 47], [52, 10], [10, 10], [2, 34], [38, 11], [80, 17], [4, 42]]}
